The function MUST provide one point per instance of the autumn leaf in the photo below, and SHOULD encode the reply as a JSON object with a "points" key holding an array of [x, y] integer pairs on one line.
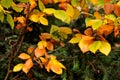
{"points": [[54, 65], [27, 66], [24, 56], [70, 10], [63, 6], [85, 43], [18, 67], [42, 44], [45, 36], [49, 11], [30, 50], [95, 46], [76, 38], [50, 46], [97, 15], [117, 10], [39, 52], [108, 8], [33, 4], [41, 5], [66, 30], [88, 32], [43, 21], [105, 48]]}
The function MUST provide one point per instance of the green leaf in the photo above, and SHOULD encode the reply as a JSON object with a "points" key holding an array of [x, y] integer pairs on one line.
{"points": [[10, 20], [1, 16], [6, 3], [62, 15], [97, 23], [110, 17], [18, 67], [16, 8], [95, 46], [75, 2], [23, 1], [41, 5], [54, 32], [105, 48]]}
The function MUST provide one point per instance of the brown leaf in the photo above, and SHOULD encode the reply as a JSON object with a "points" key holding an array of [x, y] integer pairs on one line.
{"points": [[88, 32], [108, 8], [117, 10]]}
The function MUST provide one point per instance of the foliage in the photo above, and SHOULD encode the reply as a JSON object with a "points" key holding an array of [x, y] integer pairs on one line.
{"points": [[38, 39]]}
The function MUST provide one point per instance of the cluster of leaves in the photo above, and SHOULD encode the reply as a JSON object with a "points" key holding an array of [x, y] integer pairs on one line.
{"points": [[100, 23]]}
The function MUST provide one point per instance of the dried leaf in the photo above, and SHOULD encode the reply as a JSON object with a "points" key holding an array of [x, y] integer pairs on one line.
{"points": [[27, 66], [24, 56], [18, 67]]}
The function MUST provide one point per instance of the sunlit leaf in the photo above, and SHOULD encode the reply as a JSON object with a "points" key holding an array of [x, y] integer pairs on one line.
{"points": [[110, 17], [23, 1], [43, 21], [105, 48], [66, 30], [16, 8], [27, 66], [18, 67], [24, 56], [85, 43], [49, 11], [1, 16], [76, 14], [6, 3], [34, 18], [117, 10], [98, 2], [33, 4], [39, 52], [10, 20], [70, 10], [41, 5], [45, 36], [59, 15], [1, 8], [76, 38], [42, 44], [105, 29], [63, 6], [95, 46]]}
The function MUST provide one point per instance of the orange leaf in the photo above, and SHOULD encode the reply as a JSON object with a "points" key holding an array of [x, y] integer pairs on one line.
{"points": [[97, 15], [63, 6], [105, 30], [85, 43], [39, 52], [30, 50], [29, 29], [45, 36], [108, 8], [33, 4], [116, 31], [107, 1], [88, 32], [27, 66], [117, 10], [50, 46], [24, 56]]}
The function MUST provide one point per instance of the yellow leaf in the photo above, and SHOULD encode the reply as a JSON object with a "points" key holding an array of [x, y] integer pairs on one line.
{"points": [[70, 10], [76, 14], [1, 8], [27, 66], [18, 67], [24, 56], [94, 1], [85, 43], [97, 15], [43, 21], [95, 46], [41, 5], [66, 30], [49, 11], [42, 44], [21, 19], [76, 38], [105, 48], [34, 18]]}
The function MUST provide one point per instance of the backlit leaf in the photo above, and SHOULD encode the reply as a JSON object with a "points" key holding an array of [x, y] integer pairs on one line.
{"points": [[42, 44], [76, 14], [43, 21], [6, 3], [49, 11], [18, 67], [39, 52], [97, 15], [95, 46], [76, 38], [59, 15], [34, 18], [85, 43], [27, 66], [24, 56], [41, 5], [70, 10], [110, 17], [50, 46], [66, 30], [1, 8], [105, 48], [10, 20]]}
